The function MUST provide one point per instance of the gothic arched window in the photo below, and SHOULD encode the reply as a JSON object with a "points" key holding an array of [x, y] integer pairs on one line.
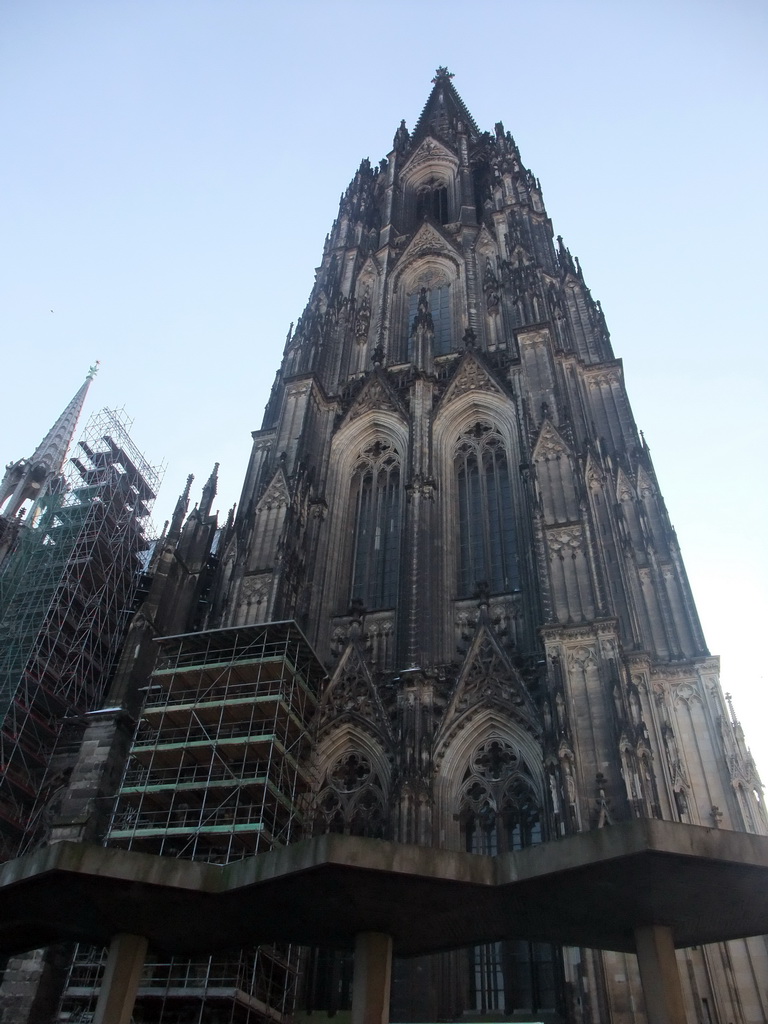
{"points": [[439, 305], [352, 801], [499, 808], [377, 501], [432, 202], [500, 812], [487, 542]]}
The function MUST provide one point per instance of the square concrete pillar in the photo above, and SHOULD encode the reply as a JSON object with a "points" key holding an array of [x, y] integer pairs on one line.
{"points": [[372, 978], [120, 983], [659, 975]]}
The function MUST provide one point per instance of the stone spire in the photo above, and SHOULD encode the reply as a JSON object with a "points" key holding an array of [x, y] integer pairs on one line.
{"points": [[209, 492], [444, 110], [32, 478]]}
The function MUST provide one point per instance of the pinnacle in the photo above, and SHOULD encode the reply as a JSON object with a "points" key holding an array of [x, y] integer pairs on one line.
{"points": [[209, 491]]}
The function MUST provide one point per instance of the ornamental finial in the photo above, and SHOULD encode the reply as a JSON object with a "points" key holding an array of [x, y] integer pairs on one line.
{"points": [[93, 370], [442, 75]]}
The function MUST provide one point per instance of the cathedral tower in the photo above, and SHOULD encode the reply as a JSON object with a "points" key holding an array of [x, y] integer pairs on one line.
{"points": [[450, 496]]}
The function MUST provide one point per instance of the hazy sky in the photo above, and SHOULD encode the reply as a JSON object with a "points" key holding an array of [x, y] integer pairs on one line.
{"points": [[170, 169]]}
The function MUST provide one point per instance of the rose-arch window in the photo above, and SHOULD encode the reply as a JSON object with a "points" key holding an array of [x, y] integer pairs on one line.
{"points": [[500, 812], [487, 541], [352, 799], [499, 808], [377, 502]]}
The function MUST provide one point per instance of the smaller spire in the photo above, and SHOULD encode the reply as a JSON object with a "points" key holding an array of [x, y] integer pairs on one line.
{"points": [[230, 521], [402, 137], [181, 510], [209, 492], [731, 712]]}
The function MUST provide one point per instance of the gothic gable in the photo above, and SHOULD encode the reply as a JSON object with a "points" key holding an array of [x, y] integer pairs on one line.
{"points": [[428, 154], [488, 679], [645, 485], [276, 495], [485, 243], [471, 375], [625, 490], [550, 444], [368, 273], [351, 698], [593, 473], [428, 241], [375, 395]]}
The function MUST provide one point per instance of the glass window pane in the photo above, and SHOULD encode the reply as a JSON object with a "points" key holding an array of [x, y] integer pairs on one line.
{"points": [[376, 549], [487, 540]]}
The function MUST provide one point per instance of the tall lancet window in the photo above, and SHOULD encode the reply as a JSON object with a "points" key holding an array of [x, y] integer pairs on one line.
{"points": [[432, 202], [377, 498], [487, 541]]}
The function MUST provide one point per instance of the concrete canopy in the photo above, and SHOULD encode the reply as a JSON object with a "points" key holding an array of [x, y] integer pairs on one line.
{"points": [[593, 889]]}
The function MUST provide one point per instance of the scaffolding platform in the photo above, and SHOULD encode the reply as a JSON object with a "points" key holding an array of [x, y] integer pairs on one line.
{"points": [[216, 773]]}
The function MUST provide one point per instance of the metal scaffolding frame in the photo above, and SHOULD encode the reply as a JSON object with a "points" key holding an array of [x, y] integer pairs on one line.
{"points": [[66, 596], [217, 772]]}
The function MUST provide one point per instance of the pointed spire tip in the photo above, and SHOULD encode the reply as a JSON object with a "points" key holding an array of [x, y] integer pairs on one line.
{"points": [[442, 74]]}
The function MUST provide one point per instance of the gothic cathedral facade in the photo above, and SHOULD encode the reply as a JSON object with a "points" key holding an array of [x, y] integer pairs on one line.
{"points": [[450, 495]]}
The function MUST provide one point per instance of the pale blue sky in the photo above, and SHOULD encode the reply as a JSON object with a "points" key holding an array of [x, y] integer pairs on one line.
{"points": [[170, 169]]}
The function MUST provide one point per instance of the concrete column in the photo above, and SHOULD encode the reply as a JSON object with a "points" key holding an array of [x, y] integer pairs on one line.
{"points": [[371, 981], [121, 979], [659, 974]]}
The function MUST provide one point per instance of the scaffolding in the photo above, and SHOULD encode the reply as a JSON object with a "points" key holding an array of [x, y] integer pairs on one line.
{"points": [[66, 596], [217, 772]]}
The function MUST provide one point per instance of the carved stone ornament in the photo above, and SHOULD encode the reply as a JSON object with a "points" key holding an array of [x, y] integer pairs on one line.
{"points": [[351, 694], [375, 396], [255, 589], [483, 678], [604, 379], [550, 444], [488, 677], [687, 693], [428, 240], [470, 376], [276, 494], [352, 799], [363, 319], [565, 541], [582, 658], [428, 279], [430, 151]]}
